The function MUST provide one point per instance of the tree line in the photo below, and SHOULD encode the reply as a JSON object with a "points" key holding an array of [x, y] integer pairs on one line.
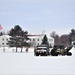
{"points": [[19, 37], [65, 39]]}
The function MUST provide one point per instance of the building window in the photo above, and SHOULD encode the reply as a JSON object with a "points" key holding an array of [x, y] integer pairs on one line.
{"points": [[30, 43], [3, 39], [38, 39], [50, 40], [33, 39], [42, 40], [2, 43], [7, 39], [7, 43], [38, 43]]}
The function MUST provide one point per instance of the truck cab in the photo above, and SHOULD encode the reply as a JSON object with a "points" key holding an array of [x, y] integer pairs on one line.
{"points": [[42, 50]]}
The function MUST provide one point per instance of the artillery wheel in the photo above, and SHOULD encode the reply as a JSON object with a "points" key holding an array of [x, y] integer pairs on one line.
{"points": [[69, 54]]}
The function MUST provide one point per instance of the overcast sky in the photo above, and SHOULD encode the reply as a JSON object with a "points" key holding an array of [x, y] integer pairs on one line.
{"points": [[38, 15]]}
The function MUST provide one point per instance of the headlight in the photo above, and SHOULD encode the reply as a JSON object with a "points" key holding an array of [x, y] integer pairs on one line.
{"points": [[43, 50]]}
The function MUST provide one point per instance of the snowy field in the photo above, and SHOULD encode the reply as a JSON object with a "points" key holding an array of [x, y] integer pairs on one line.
{"points": [[27, 63]]}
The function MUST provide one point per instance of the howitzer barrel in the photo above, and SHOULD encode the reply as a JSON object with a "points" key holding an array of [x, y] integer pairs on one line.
{"points": [[68, 48]]}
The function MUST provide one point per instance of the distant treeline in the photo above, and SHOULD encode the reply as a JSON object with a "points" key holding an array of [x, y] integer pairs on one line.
{"points": [[65, 39]]}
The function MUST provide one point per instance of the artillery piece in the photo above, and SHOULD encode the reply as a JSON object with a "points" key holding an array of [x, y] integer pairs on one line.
{"points": [[61, 50]]}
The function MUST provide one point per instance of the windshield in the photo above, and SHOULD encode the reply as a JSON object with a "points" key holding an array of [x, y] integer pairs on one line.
{"points": [[41, 48]]}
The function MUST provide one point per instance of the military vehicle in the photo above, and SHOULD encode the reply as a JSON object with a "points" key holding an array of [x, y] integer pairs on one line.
{"points": [[61, 50], [42, 50]]}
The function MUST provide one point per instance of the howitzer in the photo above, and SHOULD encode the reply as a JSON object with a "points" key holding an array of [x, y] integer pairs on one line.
{"points": [[67, 51], [61, 50]]}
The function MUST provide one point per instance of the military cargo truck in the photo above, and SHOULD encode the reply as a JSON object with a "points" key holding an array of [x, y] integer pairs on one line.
{"points": [[42, 50]]}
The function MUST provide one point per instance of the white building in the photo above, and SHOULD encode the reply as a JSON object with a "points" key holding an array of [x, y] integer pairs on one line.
{"points": [[34, 40], [37, 40], [4, 40]]}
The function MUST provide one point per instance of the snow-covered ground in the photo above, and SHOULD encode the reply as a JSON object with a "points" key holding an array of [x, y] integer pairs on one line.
{"points": [[27, 63]]}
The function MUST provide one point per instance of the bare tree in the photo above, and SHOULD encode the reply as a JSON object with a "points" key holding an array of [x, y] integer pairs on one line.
{"points": [[53, 34], [56, 40], [64, 40]]}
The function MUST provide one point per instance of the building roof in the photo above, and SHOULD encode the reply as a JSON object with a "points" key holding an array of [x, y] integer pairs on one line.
{"points": [[5, 36], [33, 37], [37, 36]]}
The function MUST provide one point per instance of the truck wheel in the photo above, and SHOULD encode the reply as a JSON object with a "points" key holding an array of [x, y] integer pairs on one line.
{"points": [[41, 54], [56, 54], [45, 54], [69, 54], [52, 54], [36, 54]]}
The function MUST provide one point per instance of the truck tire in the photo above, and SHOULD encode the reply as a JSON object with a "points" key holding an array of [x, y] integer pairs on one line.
{"points": [[45, 54], [36, 54], [69, 54], [56, 54]]}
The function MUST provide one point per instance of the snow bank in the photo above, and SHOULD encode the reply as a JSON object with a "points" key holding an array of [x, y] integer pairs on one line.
{"points": [[27, 63]]}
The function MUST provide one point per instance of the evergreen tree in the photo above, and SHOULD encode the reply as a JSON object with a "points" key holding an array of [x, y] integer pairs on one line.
{"points": [[56, 40], [1, 33], [18, 37], [45, 40], [53, 34], [72, 36]]}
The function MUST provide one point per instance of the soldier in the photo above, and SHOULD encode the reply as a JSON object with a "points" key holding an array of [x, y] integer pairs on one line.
{"points": [[34, 51], [4, 49], [13, 50], [26, 49]]}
